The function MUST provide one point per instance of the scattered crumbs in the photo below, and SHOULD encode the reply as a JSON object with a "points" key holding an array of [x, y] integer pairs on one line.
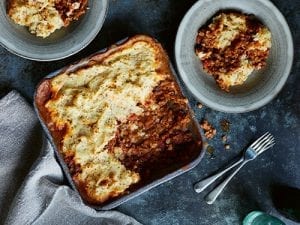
{"points": [[210, 151], [225, 125], [199, 105], [227, 146], [224, 138], [209, 130]]}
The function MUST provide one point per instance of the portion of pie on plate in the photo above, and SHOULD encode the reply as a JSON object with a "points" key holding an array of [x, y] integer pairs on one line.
{"points": [[232, 46], [43, 17], [118, 120]]}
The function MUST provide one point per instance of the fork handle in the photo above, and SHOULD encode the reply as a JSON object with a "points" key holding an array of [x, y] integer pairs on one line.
{"points": [[201, 185], [212, 196]]}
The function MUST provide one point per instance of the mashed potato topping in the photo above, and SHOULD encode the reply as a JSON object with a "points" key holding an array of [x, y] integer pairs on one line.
{"points": [[43, 17]]}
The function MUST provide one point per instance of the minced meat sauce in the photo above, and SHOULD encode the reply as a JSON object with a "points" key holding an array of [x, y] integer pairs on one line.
{"points": [[160, 138], [70, 9]]}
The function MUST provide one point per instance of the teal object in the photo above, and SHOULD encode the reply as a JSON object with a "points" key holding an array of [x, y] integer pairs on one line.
{"points": [[260, 218]]}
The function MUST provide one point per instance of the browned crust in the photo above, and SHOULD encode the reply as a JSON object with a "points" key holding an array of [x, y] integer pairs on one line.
{"points": [[45, 92]]}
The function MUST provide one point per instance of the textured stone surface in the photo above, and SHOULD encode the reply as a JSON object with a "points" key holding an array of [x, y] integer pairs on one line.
{"points": [[175, 202]]}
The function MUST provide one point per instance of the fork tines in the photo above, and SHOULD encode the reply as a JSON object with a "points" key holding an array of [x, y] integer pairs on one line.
{"points": [[263, 143]]}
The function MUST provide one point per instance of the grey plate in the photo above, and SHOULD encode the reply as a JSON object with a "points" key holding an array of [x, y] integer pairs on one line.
{"points": [[263, 85], [194, 127], [62, 43]]}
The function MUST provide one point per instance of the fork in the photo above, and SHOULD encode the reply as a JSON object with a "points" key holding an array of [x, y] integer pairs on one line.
{"points": [[262, 144]]}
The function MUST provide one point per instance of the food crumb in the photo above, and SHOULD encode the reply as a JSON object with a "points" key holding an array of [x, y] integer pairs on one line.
{"points": [[209, 130], [224, 138], [210, 151], [199, 105], [225, 125]]}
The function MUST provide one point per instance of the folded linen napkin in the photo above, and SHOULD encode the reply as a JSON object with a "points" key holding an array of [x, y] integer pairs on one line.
{"points": [[36, 193]]}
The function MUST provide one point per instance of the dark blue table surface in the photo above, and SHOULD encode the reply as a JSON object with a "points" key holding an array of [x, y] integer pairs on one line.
{"points": [[175, 202]]}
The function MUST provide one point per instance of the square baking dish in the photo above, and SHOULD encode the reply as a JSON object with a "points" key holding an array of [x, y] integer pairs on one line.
{"points": [[194, 156]]}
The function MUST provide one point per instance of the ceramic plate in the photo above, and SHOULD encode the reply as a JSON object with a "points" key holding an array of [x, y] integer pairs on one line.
{"points": [[263, 85], [62, 43]]}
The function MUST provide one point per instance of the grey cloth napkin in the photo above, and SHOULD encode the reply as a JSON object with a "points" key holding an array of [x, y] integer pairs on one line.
{"points": [[32, 186]]}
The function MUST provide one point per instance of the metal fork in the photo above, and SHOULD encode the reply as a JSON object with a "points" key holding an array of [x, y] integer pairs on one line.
{"points": [[262, 144]]}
